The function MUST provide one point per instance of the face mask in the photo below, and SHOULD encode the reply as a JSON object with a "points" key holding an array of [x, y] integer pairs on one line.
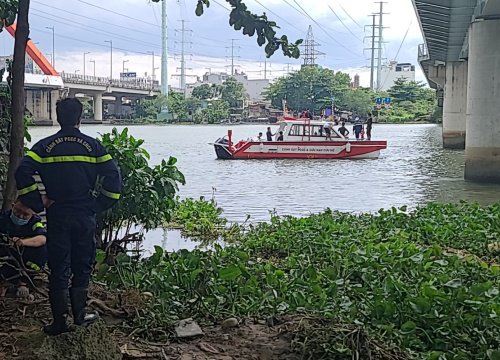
{"points": [[18, 221]]}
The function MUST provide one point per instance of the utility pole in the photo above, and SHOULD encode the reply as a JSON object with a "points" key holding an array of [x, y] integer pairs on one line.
{"points": [[372, 62], [183, 75], [53, 45], [232, 56], [152, 68], [164, 52], [123, 65], [380, 40], [265, 68], [84, 63], [110, 59]]}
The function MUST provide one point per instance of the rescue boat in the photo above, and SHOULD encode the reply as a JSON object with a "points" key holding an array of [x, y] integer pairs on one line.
{"points": [[302, 139]]}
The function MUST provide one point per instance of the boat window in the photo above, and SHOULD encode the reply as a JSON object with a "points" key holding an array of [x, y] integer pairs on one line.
{"points": [[316, 131], [296, 130]]}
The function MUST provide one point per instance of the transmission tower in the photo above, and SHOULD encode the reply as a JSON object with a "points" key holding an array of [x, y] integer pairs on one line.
{"points": [[183, 68], [310, 52]]}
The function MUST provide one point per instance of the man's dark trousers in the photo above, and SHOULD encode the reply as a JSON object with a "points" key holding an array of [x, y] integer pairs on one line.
{"points": [[71, 248]]}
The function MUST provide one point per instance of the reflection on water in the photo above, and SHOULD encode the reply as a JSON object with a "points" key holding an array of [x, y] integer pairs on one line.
{"points": [[413, 170]]}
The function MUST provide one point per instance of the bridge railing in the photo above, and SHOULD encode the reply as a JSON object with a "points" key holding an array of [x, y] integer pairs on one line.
{"points": [[137, 83], [423, 53]]}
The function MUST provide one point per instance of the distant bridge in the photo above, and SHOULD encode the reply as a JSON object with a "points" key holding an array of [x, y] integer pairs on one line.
{"points": [[460, 58], [45, 88]]}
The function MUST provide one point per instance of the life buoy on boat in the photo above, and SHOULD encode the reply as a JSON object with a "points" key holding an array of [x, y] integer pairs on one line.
{"points": [[348, 147]]}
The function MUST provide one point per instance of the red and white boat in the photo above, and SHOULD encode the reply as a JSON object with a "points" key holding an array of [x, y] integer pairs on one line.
{"points": [[302, 139]]}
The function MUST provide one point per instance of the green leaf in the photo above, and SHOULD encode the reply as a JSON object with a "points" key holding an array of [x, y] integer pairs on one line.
{"points": [[493, 354], [230, 273], [408, 327], [199, 8], [454, 284]]}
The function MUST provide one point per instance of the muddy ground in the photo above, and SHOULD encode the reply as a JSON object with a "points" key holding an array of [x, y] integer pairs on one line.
{"points": [[288, 338]]}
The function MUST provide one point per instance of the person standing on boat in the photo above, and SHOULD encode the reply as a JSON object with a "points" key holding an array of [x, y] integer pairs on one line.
{"points": [[328, 130], [280, 136], [358, 126], [259, 138], [343, 130], [369, 124], [269, 134]]}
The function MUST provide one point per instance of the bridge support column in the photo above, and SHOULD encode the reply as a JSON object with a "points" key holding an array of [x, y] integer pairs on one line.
{"points": [[455, 105], [117, 106], [44, 105], [30, 102], [97, 107], [54, 97], [482, 152]]}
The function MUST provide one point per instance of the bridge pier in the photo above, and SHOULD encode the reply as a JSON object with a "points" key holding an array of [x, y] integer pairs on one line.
{"points": [[117, 106], [44, 105], [482, 152], [54, 97], [97, 98], [455, 105]]}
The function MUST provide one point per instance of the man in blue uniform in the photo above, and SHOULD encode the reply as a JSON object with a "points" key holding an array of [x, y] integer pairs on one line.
{"points": [[80, 179], [27, 233]]}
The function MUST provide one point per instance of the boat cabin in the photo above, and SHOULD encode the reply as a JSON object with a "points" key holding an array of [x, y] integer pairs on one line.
{"points": [[306, 130]]}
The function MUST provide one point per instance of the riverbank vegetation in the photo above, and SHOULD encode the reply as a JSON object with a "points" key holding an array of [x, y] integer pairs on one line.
{"points": [[308, 88], [314, 88], [424, 281]]}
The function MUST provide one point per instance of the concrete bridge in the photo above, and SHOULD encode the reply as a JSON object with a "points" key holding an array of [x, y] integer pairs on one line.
{"points": [[44, 85], [97, 87], [43, 91], [460, 58]]}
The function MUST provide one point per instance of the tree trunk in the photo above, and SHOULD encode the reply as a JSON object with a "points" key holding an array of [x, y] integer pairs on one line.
{"points": [[17, 127]]}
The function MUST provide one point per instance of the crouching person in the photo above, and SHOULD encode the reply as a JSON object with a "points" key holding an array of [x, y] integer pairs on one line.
{"points": [[28, 234]]}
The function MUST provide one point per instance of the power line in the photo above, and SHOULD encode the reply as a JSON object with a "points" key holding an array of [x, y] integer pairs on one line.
{"points": [[399, 49], [93, 43], [119, 14], [96, 31], [348, 29], [404, 38], [326, 32], [155, 14], [279, 17], [350, 17], [117, 36], [222, 6], [293, 7], [91, 18]]}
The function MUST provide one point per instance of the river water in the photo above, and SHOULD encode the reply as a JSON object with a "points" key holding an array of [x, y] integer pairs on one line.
{"points": [[414, 170]]}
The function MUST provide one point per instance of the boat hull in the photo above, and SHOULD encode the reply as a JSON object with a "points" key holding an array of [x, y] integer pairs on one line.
{"points": [[302, 150]]}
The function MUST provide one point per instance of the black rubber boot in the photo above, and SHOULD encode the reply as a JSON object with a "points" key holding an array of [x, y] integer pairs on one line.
{"points": [[78, 303], [59, 305]]}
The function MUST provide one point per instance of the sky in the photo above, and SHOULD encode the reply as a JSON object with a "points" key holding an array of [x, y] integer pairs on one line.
{"points": [[133, 26]]}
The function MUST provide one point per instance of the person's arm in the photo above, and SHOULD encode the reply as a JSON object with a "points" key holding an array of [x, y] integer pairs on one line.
{"points": [[27, 189], [35, 241], [110, 181]]}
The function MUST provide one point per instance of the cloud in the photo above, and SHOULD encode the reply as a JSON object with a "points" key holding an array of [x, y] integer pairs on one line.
{"points": [[81, 27]]}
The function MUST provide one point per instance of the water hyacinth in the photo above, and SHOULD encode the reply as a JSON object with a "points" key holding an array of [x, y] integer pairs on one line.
{"points": [[425, 281]]}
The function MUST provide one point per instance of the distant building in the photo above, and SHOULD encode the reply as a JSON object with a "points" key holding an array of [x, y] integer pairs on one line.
{"points": [[356, 81], [393, 71], [253, 87]]}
